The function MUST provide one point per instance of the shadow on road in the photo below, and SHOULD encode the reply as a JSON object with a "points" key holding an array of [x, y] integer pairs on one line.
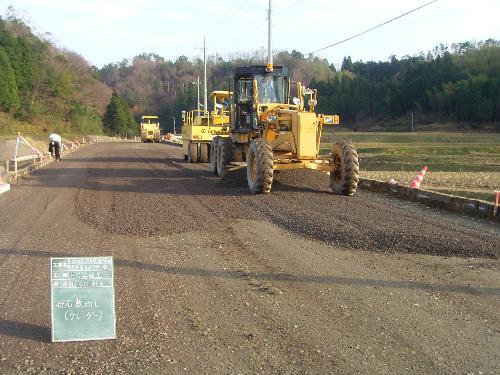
{"points": [[280, 277], [177, 180], [117, 159], [25, 331]]}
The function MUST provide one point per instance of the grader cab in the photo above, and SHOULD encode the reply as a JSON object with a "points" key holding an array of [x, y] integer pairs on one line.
{"points": [[270, 131]]}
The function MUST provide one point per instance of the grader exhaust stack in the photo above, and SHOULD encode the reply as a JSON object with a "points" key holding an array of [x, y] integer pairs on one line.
{"points": [[269, 66]]}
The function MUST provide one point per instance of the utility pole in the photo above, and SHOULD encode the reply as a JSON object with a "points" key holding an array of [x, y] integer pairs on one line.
{"points": [[269, 66], [198, 87], [174, 126], [205, 99]]}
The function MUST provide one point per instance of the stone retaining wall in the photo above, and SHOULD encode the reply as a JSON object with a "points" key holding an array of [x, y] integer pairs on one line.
{"points": [[472, 207]]}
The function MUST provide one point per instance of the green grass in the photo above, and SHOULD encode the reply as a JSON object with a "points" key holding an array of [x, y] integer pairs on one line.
{"points": [[9, 127], [465, 164]]}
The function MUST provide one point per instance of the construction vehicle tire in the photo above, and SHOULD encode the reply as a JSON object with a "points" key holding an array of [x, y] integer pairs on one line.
{"points": [[224, 154], [193, 153], [344, 176], [260, 166], [203, 157], [213, 154]]}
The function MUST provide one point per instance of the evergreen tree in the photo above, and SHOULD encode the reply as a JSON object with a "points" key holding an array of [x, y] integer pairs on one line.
{"points": [[9, 99], [347, 64], [131, 127], [117, 118]]}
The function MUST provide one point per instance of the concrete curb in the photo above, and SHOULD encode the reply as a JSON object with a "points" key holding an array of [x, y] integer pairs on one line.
{"points": [[471, 207], [173, 143]]}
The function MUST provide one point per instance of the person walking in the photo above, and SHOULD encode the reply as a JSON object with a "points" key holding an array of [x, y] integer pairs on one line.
{"points": [[55, 143]]}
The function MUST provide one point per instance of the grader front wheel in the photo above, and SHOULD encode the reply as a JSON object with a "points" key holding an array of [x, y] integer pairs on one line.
{"points": [[260, 166], [344, 176]]}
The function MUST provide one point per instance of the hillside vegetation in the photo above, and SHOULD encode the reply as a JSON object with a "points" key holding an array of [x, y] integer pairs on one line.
{"points": [[43, 88], [458, 85]]}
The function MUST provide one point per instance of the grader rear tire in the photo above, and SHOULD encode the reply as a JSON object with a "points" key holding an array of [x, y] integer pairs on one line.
{"points": [[344, 176], [213, 154], [203, 156], [224, 154], [193, 153], [260, 166]]}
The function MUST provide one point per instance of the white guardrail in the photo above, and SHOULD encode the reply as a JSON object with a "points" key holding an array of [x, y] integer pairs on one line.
{"points": [[10, 171]]}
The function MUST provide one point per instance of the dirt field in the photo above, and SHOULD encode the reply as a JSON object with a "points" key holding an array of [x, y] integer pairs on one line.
{"points": [[463, 164], [210, 279]]}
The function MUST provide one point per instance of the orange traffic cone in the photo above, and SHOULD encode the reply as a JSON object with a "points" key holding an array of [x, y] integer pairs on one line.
{"points": [[415, 184]]}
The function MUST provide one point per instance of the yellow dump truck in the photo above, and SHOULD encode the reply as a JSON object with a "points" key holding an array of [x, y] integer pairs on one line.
{"points": [[200, 127], [150, 129]]}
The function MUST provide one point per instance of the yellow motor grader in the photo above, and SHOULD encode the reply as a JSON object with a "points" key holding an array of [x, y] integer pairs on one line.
{"points": [[270, 132]]}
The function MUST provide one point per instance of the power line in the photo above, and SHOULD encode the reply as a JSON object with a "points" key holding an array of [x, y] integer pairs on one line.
{"points": [[233, 19], [240, 37], [374, 27], [217, 26], [244, 36], [288, 7]]}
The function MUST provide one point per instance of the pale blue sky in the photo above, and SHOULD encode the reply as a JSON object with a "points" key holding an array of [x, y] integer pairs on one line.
{"points": [[104, 31]]}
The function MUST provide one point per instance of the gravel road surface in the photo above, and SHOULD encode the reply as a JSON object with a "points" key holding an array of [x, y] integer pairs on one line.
{"points": [[212, 280]]}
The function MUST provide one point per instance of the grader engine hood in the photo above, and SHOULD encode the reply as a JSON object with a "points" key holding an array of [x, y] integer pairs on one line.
{"points": [[304, 129]]}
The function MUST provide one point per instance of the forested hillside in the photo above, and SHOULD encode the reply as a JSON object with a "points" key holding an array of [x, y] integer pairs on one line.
{"points": [[461, 85], [48, 88]]}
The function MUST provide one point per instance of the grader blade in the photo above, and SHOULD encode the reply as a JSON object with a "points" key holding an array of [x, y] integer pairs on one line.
{"points": [[234, 175]]}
